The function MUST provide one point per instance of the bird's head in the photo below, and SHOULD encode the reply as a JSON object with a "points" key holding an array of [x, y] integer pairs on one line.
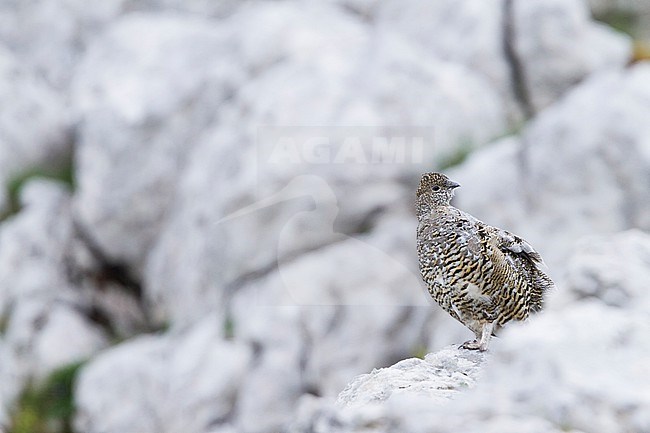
{"points": [[436, 189]]}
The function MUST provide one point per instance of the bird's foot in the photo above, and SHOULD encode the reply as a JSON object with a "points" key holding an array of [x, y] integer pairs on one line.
{"points": [[472, 345], [481, 343]]}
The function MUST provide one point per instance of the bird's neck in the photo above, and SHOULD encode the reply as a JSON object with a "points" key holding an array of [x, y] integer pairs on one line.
{"points": [[426, 206]]}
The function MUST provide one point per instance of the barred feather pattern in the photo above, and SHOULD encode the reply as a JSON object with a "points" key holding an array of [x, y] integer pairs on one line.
{"points": [[479, 274]]}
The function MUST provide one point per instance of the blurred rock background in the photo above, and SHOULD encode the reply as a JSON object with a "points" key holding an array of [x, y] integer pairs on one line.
{"points": [[161, 272]]}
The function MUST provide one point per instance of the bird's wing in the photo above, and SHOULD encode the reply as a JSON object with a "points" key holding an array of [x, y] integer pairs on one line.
{"points": [[514, 245], [463, 236], [523, 257]]}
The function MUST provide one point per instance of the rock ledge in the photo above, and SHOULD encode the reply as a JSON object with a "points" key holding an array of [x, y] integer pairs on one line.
{"points": [[439, 376]]}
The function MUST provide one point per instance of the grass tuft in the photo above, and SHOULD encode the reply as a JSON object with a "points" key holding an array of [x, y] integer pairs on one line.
{"points": [[47, 407], [63, 174], [419, 352]]}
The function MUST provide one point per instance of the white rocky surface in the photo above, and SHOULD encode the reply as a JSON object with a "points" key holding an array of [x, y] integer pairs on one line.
{"points": [[45, 325], [186, 381], [469, 33], [51, 36], [327, 316], [558, 46], [532, 51], [34, 126], [321, 319], [438, 377], [613, 269], [140, 115], [32, 244], [241, 179], [274, 275], [48, 35], [581, 367]]}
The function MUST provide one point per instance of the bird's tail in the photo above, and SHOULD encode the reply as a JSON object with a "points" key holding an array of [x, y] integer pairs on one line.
{"points": [[541, 284]]}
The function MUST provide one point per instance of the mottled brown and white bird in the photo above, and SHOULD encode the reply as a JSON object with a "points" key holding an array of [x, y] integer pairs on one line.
{"points": [[481, 275]]}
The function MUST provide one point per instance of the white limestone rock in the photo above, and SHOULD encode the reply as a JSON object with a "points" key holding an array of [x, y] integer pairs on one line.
{"points": [[238, 180], [372, 402], [326, 316], [46, 324], [612, 268], [49, 335], [115, 389], [145, 91], [558, 45], [553, 44], [363, 9], [548, 369], [49, 35], [208, 8], [537, 376], [500, 165], [34, 125], [10, 385], [187, 381], [606, 143], [32, 245], [270, 387], [468, 32], [439, 377], [537, 379]]}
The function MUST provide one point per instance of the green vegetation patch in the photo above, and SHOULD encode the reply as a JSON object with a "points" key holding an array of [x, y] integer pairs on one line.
{"points": [[632, 24], [623, 21], [47, 407], [229, 328], [63, 174], [419, 351], [457, 156], [4, 322]]}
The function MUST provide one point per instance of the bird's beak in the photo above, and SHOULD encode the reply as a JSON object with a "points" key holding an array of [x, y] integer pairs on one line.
{"points": [[452, 184]]}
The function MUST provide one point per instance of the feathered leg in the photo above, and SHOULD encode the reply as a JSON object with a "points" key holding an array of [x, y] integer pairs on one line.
{"points": [[482, 341]]}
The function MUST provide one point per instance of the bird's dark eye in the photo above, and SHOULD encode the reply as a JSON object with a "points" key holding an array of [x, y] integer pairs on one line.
{"points": [[436, 188]]}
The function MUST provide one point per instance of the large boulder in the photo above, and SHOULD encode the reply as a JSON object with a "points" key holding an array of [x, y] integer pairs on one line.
{"points": [[439, 377], [328, 315], [307, 326], [243, 196], [50, 37], [612, 269], [537, 376], [187, 381], [144, 92], [469, 33], [45, 317], [557, 45], [532, 51], [34, 125]]}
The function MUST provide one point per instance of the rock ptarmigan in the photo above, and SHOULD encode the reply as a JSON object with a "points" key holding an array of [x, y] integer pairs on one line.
{"points": [[481, 275]]}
